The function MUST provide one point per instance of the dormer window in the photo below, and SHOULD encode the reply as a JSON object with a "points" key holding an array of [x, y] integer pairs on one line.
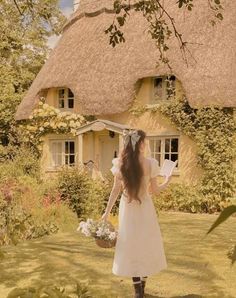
{"points": [[65, 98], [163, 88]]}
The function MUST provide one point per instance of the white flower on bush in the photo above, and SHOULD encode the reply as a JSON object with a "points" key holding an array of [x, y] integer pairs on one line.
{"points": [[73, 131], [46, 124], [72, 123], [45, 105]]}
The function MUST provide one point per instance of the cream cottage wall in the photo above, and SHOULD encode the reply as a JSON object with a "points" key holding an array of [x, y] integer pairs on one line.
{"points": [[100, 148]]}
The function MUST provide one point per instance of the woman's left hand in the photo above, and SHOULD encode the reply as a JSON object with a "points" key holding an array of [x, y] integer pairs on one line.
{"points": [[105, 216]]}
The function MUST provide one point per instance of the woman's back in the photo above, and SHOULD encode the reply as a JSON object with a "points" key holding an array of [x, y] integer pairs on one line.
{"points": [[150, 169]]}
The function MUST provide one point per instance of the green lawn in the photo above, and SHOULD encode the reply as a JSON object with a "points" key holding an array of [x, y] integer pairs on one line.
{"points": [[197, 265]]}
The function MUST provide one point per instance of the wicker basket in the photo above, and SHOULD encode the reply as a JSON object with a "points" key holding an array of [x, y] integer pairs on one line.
{"points": [[106, 243]]}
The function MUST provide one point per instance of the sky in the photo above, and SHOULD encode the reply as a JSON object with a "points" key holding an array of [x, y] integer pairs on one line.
{"points": [[67, 8]]}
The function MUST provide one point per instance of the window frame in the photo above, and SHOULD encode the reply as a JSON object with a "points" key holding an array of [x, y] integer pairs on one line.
{"points": [[66, 98], [63, 153], [162, 153], [164, 97]]}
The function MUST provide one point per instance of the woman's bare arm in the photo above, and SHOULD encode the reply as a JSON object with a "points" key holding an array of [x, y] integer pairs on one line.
{"points": [[117, 185], [155, 188]]}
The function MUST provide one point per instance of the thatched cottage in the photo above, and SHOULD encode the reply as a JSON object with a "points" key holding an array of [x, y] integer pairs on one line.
{"points": [[84, 74]]}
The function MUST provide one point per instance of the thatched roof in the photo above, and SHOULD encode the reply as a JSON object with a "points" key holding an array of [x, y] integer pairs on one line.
{"points": [[103, 78]]}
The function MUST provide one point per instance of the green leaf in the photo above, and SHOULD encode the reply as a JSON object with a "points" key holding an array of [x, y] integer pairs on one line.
{"points": [[219, 16], [224, 215], [180, 3], [121, 20]]}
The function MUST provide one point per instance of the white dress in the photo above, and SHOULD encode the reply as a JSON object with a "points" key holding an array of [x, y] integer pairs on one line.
{"points": [[139, 249]]}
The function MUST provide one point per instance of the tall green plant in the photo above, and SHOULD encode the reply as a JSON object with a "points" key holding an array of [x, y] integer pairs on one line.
{"points": [[213, 129]]}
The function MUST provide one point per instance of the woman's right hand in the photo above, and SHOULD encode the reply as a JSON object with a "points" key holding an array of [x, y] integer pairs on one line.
{"points": [[105, 216]]}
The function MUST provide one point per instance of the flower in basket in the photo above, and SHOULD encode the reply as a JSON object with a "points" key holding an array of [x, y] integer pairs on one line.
{"points": [[103, 232]]}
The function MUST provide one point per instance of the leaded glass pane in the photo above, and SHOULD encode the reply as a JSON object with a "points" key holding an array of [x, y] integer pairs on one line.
{"points": [[66, 147], [72, 159], [167, 156], [72, 147], [152, 145], [71, 103], [158, 146], [61, 103], [174, 145], [158, 158], [61, 93], [174, 157], [167, 145], [70, 94], [158, 88]]}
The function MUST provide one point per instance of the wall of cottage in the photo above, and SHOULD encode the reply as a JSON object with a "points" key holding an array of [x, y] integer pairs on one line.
{"points": [[153, 124]]}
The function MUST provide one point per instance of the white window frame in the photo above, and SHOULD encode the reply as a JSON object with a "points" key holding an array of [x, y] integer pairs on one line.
{"points": [[163, 152], [154, 100], [63, 153], [66, 99]]}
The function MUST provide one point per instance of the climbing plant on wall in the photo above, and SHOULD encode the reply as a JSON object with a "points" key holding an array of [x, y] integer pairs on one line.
{"points": [[213, 129], [48, 119]]}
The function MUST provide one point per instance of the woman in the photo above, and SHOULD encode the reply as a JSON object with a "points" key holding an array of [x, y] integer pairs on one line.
{"points": [[139, 250]]}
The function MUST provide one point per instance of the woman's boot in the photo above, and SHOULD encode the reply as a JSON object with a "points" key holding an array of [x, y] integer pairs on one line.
{"points": [[143, 282], [137, 287]]}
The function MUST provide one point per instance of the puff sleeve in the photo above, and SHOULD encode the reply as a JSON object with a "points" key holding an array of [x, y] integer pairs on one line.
{"points": [[115, 166], [155, 169]]}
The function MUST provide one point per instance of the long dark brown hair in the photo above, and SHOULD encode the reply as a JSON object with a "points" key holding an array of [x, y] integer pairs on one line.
{"points": [[131, 169]]}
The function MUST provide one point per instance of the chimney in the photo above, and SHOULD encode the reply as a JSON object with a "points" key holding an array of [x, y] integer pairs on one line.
{"points": [[76, 4]]}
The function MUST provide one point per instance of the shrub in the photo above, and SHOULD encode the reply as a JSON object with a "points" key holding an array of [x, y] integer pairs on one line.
{"points": [[17, 224], [27, 211], [181, 197], [23, 161], [86, 196]]}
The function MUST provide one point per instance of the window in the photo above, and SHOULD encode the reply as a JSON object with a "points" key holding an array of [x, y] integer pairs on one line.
{"points": [[163, 88], [65, 98], [164, 148], [62, 152]]}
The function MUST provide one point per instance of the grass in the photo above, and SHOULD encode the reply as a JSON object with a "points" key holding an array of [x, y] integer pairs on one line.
{"points": [[197, 264]]}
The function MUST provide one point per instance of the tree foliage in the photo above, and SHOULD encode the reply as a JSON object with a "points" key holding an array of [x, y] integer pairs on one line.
{"points": [[24, 31], [161, 23]]}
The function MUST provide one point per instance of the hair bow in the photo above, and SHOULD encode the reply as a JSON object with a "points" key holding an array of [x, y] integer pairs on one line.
{"points": [[130, 135]]}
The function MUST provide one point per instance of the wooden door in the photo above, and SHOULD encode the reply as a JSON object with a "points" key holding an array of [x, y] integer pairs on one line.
{"points": [[109, 148]]}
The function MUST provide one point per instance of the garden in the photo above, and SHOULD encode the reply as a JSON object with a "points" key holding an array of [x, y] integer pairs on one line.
{"points": [[43, 254]]}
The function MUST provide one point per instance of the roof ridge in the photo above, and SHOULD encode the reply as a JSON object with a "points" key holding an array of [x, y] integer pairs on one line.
{"points": [[76, 17]]}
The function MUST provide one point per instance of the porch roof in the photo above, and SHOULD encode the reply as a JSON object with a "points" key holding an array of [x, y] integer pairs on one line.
{"points": [[101, 124]]}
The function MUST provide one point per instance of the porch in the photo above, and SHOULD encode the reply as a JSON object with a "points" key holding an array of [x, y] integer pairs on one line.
{"points": [[98, 143]]}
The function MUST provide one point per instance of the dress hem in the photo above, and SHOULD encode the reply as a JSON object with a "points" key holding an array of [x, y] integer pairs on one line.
{"points": [[139, 274]]}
